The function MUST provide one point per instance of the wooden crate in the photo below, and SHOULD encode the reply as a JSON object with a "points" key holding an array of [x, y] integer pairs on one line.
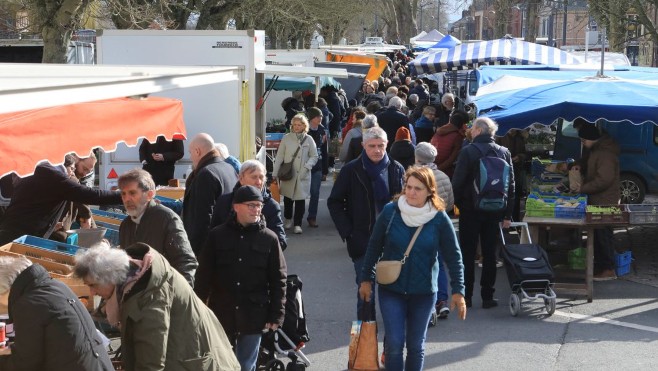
{"points": [[63, 273], [35, 252], [105, 219], [171, 192]]}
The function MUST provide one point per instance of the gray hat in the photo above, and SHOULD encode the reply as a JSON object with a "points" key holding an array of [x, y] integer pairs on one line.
{"points": [[425, 153], [246, 194]]}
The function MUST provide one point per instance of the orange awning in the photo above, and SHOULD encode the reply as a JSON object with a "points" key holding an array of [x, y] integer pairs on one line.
{"points": [[29, 137], [377, 62]]}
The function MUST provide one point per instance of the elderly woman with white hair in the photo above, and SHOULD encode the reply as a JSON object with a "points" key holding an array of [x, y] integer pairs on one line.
{"points": [[53, 329], [164, 325]]}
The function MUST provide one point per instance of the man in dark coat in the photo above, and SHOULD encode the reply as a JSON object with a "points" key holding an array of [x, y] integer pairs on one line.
{"points": [[54, 331], [210, 178], [154, 224], [242, 276], [478, 226], [39, 201], [392, 119], [253, 173], [362, 188], [601, 184], [159, 158]]}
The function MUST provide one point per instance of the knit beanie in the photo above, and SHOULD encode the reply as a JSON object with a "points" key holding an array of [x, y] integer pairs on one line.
{"points": [[402, 134], [246, 194], [425, 153], [587, 130]]}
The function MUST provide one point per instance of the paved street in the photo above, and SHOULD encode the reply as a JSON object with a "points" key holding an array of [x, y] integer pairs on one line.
{"points": [[619, 330]]}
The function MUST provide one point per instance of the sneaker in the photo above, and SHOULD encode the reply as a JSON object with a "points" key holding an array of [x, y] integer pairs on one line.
{"points": [[312, 223], [489, 303], [605, 275], [442, 309], [287, 224], [382, 359], [499, 263], [298, 230], [469, 302]]}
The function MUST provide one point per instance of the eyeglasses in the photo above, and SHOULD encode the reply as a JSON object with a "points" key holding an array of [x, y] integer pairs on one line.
{"points": [[254, 206]]}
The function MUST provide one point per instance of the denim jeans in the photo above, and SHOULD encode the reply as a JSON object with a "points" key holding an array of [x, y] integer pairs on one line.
{"points": [[444, 283], [246, 351], [316, 181], [405, 321], [358, 266]]}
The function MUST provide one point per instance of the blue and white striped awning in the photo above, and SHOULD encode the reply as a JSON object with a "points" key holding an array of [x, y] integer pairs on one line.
{"points": [[501, 51]]}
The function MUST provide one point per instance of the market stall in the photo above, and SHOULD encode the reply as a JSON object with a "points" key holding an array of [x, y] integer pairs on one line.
{"points": [[551, 204]]}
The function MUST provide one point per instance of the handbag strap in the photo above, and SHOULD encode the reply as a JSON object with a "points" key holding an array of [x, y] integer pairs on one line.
{"points": [[298, 148], [411, 244]]}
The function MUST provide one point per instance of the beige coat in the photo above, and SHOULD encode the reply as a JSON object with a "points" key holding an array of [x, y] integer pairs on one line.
{"points": [[299, 187]]}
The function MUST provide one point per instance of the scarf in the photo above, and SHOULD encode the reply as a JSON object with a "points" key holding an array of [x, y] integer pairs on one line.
{"points": [[415, 216], [376, 173], [112, 307]]}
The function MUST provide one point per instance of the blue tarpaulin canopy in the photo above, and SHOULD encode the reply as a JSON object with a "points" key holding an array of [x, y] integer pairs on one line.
{"points": [[447, 42], [502, 51], [610, 98]]}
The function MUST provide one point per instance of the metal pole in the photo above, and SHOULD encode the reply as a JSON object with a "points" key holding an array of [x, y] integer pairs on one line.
{"points": [[564, 24], [438, 15], [602, 49]]}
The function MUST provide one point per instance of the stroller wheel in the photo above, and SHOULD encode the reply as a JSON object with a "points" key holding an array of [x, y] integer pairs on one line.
{"points": [[550, 306], [275, 365], [514, 304]]}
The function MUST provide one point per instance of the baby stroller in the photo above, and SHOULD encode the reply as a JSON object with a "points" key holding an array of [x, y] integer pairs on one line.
{"points": [[289, 339], [528, 270]]}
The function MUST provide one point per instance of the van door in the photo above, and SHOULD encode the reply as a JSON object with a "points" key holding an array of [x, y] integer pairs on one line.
{"points": [[567, 142]]}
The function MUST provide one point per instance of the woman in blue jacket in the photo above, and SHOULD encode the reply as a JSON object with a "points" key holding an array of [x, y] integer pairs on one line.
{"points": [[412, 296]]}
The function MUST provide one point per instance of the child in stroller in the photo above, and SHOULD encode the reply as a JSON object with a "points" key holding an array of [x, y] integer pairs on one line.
{"points": [[289, 339]]}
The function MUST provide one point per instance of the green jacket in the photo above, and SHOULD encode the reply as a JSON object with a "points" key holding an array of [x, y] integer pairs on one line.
{"points": [[165, 326]]}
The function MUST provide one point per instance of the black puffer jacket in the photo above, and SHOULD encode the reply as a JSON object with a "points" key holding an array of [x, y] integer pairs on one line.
{"points": [[53, 329], [242, 276]]}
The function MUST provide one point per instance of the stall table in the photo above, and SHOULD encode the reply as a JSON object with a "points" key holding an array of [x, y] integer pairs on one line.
{"points": [[586, 289]]}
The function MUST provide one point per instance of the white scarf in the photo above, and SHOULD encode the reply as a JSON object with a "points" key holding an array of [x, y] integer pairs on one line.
{"points": [[415, 216]]}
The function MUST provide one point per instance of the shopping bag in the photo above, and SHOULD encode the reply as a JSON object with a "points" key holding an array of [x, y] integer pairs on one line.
{"points": [[363, 345]]}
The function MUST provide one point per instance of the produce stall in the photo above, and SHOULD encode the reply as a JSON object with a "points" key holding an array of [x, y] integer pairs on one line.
{"points": [[551, 205]]}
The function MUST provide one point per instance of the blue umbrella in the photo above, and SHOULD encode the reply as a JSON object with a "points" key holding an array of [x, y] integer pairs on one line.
{"points": [[594, 98], [502, 51]]}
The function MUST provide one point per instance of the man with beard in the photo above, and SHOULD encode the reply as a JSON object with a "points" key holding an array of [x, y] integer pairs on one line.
{"points": [[154, 224]]}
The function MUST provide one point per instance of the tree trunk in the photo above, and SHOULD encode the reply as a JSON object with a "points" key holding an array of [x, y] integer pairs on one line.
{"points": [[59, 22], [531, 21], [406, 21]]}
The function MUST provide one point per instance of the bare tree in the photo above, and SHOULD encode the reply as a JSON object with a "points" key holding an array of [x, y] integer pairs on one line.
{"points": [[56, 21]]}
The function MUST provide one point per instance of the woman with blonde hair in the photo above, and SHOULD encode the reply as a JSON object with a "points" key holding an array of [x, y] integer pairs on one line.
{"points": [[415, 220], [299, 148]]}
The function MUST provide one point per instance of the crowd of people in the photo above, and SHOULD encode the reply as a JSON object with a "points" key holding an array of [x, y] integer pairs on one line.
{"points": [[196, 289]]}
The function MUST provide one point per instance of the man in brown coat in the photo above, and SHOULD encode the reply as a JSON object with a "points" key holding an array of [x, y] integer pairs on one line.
{"points": [[601, 184]]}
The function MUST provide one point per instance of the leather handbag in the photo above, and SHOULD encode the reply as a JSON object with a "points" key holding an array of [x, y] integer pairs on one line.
{"points": [[286, 170], [388, 271]]}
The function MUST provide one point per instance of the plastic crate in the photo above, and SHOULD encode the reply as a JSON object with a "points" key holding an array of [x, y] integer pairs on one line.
{"points": [[643, 214], [623, 263], [273, 140], [539, 167], [112, 232], [42, 243], [598, 217]]}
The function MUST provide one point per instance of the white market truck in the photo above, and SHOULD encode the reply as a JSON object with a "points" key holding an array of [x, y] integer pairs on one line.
{"points": [[229, 111]]}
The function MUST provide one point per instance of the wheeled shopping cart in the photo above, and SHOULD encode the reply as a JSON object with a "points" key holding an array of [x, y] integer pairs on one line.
{"points": [[528, 270]]}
